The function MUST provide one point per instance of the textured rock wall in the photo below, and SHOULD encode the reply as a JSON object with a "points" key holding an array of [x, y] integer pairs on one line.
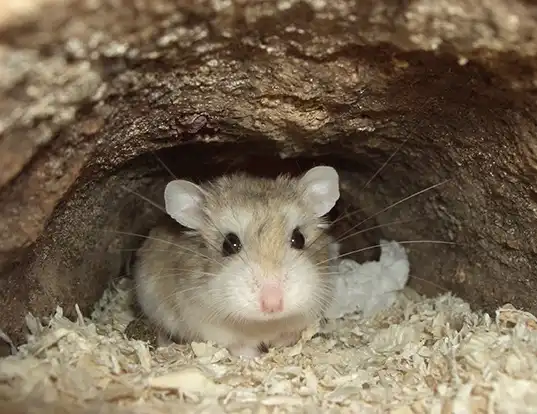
{"points": [[91, 89]]}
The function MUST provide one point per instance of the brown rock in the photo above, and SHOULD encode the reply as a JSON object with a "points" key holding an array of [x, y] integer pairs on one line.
{"points": [[89, 92]]}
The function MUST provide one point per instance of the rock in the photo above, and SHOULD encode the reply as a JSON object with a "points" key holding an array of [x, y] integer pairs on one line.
{"points": [[92, 91], [140, 329]]}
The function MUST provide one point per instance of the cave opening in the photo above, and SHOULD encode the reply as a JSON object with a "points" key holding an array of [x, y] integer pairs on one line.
{"points": [[370, 183], [389, 189]]}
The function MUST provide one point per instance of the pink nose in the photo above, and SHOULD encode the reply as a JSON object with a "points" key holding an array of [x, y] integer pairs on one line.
{"points": [[271, 298]]}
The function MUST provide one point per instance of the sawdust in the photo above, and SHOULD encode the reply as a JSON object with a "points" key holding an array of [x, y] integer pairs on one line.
{"points": [[422, 355]]}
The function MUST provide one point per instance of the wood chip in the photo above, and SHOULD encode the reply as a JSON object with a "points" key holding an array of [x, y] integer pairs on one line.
{"points": [[422, 355]]}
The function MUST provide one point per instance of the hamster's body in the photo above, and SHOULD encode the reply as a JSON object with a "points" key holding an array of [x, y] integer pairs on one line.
{"points": [[252, 268]]}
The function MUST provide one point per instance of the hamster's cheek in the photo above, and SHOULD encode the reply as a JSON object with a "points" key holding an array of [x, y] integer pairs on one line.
{"points": [[235, 288], [302, 282]]}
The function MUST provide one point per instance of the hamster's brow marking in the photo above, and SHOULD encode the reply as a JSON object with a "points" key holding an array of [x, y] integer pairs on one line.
{"points": [[262, 226]]}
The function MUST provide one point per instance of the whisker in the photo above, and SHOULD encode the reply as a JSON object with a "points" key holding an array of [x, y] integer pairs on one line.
{"points": [[324, 267], [397, 203], [346, 233], [436, 285], [161, 208], [115, 250], [217, 307], [178, 273], [399, 242], [166, 242], [379, 226], [393, 223], [237, 315], [379, 170], [386, 162], [164, 165], [148, 200]]}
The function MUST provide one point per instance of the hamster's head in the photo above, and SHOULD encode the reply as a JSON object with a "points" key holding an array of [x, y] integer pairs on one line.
{"points": [[266, 240]]}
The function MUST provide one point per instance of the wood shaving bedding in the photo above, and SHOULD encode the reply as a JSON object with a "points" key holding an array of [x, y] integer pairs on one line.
{"points": [[422, 355]]}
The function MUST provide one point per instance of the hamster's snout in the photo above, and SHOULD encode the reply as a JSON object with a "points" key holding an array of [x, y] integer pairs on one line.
{"points": [[271, 298]]}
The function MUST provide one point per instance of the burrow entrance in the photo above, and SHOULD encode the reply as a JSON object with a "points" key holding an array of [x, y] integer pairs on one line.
{"points": [[91, 239], [376, 201]]}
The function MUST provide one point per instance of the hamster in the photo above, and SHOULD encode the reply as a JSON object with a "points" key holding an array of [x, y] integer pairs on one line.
{"points": [[253, 267]]}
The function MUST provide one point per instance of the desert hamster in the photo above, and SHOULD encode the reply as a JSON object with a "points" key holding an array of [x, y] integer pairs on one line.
{"points": [[245, 272]]}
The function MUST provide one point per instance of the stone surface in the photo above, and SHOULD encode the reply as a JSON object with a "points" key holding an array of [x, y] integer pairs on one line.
{"points": [[92, 90]]}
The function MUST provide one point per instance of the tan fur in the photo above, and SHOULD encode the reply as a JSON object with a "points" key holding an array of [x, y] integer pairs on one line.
{"points": [[175, 266]]}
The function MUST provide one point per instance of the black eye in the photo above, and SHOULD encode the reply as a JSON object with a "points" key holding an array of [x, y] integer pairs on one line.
{"points": [[232, 245], [297, 240]]}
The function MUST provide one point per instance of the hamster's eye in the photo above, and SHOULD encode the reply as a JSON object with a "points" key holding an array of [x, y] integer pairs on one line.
{"points": [[232, 244], [297, 240]]}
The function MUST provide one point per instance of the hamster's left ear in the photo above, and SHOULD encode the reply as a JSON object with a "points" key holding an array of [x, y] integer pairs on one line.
{"points": [[321, 189], [184, 201]]}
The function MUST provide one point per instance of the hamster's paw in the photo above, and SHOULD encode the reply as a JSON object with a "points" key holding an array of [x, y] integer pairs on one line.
{"points": [[244, 351]]}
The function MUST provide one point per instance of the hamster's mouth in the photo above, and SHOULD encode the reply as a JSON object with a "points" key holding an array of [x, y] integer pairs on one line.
{"points": [[291, 316], [289, 322], [267, 317]]}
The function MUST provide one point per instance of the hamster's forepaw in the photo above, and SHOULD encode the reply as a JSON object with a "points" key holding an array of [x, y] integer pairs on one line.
{"points": [[244, 351]]}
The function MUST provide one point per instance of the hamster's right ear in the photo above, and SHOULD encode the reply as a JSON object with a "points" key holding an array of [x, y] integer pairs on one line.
{"points": [[321, 189], [184, 201]]}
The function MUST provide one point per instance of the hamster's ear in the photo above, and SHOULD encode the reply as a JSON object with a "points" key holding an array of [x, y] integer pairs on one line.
{"points": [[183, 201], [321, 189]]}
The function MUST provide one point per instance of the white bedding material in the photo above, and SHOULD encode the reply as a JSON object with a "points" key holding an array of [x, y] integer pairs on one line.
{"points": [[419, 355], [372, 286]]}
